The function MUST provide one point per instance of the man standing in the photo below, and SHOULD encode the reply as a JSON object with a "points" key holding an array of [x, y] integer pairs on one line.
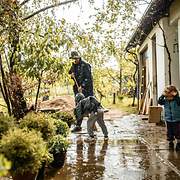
{"points": [[80, 72]]}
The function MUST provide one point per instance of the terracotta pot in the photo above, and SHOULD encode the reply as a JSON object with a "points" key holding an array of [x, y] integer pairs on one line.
{"points": [[25, 176], [59, 159]]}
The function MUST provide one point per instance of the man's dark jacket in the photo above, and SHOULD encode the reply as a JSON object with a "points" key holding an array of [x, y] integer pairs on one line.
{"points": [[82, 73]]}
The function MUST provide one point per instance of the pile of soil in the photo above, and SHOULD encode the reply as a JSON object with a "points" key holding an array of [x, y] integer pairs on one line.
{"points": [[67, 103], [114, 114], [62, 103]]}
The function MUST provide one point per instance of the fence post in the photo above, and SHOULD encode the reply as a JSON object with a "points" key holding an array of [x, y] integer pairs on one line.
{"points": [[114, 98]]}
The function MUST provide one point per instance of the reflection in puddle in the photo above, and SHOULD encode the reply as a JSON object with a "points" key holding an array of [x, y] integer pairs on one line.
{"points": [[123, 157]]}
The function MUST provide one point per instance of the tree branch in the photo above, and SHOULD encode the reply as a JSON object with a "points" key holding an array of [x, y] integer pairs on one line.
{"points": [[111, 76], [136, 63], [48, 7], [38, 89], [134, 56], [24, 2], [168, 53], [3, 88], [5, 55]]}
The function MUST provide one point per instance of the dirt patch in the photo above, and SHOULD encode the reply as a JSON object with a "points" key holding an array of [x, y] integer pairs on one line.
{"points": [[62, 103], [66, 103]]}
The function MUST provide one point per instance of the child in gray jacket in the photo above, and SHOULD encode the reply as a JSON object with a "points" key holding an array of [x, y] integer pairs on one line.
{"points": [[90, 106]]}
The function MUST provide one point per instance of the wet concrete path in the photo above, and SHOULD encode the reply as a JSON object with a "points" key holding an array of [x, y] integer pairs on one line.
{"points": [[136, 150]]}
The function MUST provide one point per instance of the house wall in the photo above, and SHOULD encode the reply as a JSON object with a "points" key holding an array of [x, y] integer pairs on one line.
{"points": [[174, 12], [171, 32], [171, 27], [172, 38], [174, 20], [161, 63], [160, 53]]}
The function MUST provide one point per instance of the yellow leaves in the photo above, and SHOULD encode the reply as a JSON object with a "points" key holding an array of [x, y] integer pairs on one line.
{"points": [[97, 27], [5, 165], [69, 44]]}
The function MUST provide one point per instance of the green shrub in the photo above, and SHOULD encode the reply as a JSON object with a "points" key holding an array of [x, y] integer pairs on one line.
{"points": [[58, 144], [25, 149], [40, 122], [5, 165], [64, 116], [6, 122], [62, 128]]}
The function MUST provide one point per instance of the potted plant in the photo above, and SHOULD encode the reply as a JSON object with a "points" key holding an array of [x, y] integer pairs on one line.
{"points": [[6, 122], [26, 150], [62, 128], [58, 147], [64, 116], [41, 122]]}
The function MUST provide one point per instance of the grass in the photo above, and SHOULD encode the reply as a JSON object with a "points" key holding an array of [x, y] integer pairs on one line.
{"points": [[124, 104]]}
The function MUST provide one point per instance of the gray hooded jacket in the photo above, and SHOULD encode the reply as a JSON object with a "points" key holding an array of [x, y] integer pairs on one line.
{"points": [[85, 105]]}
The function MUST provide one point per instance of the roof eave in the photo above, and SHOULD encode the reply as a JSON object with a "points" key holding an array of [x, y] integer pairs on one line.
{"points": [[155, 11]]}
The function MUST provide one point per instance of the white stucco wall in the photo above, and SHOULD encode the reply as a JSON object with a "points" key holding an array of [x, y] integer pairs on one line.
{"points": [[174, 20], [161, 64], [160, 53], [171, 26], [171, 32], [171, 38], [174, 12]]}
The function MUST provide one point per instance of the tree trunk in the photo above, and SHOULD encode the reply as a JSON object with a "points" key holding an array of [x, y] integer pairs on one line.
{"points": [[38, 90], [11, 88], [3, 87], [114, 98], [136, 80], [135, 90], [18, 103], [120, 80], [168, 53]]}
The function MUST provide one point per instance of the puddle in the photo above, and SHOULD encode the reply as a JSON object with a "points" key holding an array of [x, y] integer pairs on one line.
{"points": [[133, 152]]}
